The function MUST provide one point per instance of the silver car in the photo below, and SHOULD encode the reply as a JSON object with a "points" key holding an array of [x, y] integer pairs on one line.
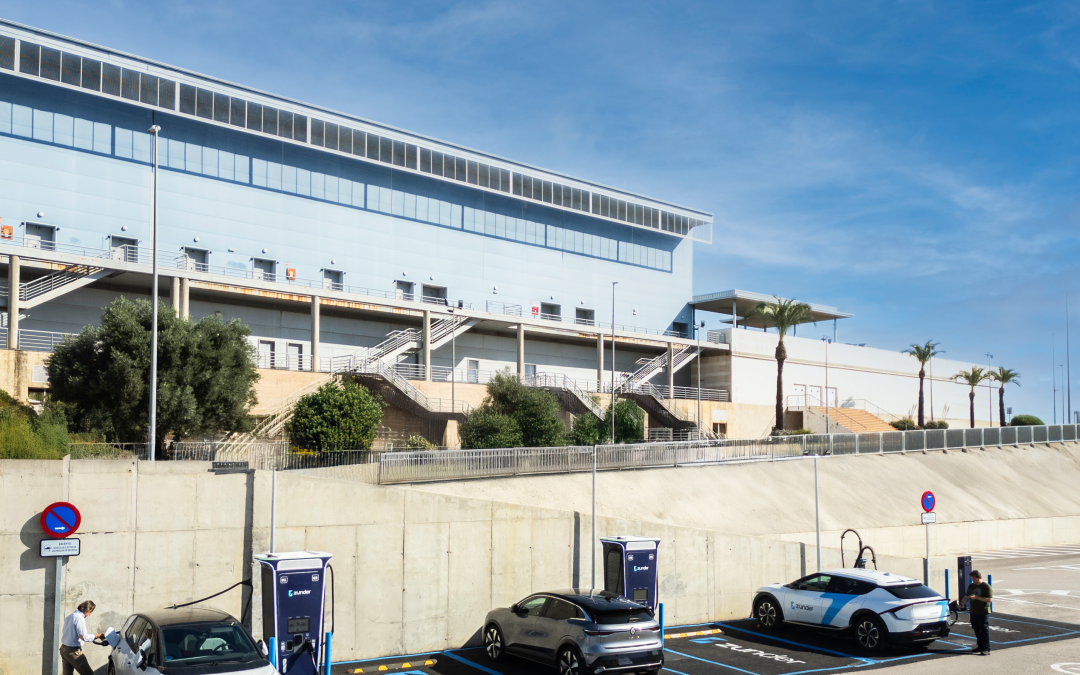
{"points": [[581, 632]]}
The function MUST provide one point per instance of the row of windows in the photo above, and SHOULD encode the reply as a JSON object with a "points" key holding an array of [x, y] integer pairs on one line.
{"points": [[551, 193], [287, 178], [55, 128], [240, 113]]}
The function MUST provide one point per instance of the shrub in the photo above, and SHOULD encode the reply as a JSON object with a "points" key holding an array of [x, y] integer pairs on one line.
{"points": [[339, 416], [629, 422], [905, 424], [484, 428], [590, 430], [1025, 421], [936, 424], [418, 442]]}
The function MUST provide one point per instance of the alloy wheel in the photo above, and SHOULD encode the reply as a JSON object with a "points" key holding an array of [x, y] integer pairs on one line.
{"points": [[767, 614], [493, 643], [868, 635], [569, 664]]}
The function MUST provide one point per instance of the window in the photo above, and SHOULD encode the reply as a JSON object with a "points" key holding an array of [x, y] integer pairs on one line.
{"points": [[434, 294], [816, 583], [40, 236], [266, 354], [585, 317], [474, 371], [332, 280], [561, 610], [911, 591], [122, 248], [720, 428], [680, 328], [208, 647], [530, 369], [264, 269], [532, 606], [550, 311], [294, 356], [137, 633], [849, 586], [404, 290], [7, 52], [196, 259]]}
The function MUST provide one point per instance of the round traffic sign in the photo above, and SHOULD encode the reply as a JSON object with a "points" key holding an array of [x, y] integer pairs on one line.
{"points": [[60, 519], [928, 501]]}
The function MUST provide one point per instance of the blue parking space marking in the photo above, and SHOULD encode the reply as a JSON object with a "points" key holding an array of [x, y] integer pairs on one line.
{"points": [[472, 664], [715, 663], [820, 650], [384, 658]]}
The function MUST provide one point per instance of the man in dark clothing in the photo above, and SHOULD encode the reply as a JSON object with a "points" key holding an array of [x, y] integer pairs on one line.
{"points": [[979, 597]]}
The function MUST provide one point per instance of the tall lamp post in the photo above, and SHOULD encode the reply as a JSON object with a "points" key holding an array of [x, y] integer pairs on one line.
{"points": [[154, 300], [990, 389], [697, 332], [613, 285], [453, 361], [828, 427]]}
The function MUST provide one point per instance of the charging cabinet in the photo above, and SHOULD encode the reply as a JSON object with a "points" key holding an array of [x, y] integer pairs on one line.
{"points": [[630, 568], [963, 576], [293, 597]]}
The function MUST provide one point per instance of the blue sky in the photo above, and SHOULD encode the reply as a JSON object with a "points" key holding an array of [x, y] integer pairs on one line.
{"points": [[912, 163]]}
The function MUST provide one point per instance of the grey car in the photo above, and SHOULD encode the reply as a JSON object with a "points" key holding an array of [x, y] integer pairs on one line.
{"points": [[581, 632]]}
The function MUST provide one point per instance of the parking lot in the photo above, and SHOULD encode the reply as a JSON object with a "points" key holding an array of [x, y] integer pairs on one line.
{"points": [[1036, 609]]}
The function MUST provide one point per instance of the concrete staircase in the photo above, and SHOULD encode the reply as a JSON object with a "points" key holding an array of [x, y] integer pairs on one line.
{"points": [[855, 420]]}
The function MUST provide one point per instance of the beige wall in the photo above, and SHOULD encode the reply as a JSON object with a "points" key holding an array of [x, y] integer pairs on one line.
{"points": [[16, 371], [275, 385]]}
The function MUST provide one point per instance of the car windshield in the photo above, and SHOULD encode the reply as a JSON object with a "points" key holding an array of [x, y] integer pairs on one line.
{"points": [[207, 643], [912, 591]]}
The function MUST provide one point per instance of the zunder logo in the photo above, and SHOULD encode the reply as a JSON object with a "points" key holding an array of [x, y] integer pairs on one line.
{"points": [[307, 592]]}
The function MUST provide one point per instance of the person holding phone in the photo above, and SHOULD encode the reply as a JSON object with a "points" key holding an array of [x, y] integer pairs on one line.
{"points": [[979, 596]]}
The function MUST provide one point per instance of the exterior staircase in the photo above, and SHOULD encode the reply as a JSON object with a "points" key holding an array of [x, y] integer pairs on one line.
{"points": [[381, 377], [274, 423], [50, 286], [652, 366], [574, 398], [855, 420], [663, 412]]}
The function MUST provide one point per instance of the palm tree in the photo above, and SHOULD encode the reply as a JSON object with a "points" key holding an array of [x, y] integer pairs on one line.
{"points": [[1004, 376], [923, 354], [783, 314], [972, 378]]}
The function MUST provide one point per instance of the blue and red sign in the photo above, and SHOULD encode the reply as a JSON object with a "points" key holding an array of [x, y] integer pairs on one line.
{"points": [[928, 501], [60, 519]]}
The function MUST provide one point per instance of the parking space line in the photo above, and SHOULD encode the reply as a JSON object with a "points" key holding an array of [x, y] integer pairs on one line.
{"points": [[715, 663], [467, 662], [799, 644], [383, 658]]}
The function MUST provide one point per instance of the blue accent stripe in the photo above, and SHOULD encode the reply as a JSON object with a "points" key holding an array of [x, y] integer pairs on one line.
{"points": [[715, 663], [467, 662]]}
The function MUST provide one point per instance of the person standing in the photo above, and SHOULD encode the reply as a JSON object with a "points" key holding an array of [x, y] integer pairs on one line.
{"points": [[72, 637], [979, 597]]}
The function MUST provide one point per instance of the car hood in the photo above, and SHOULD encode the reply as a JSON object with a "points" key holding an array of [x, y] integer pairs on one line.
{"points": [[770, 588]]}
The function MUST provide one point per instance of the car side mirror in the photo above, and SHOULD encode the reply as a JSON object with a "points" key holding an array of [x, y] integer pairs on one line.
{"points": [[262, 649]]}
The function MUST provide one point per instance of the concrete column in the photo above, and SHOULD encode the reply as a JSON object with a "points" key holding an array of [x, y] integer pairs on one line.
{"points": [[670, 372], [599, 361], [521, 351], [315, 333], [174, 295], [185, 298], [13, 302], [427, 345]]}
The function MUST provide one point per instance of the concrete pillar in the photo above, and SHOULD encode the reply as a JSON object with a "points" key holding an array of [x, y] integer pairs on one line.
{"points": [[315, 333], [670, 372], [599, 361], [427, 345], [174, 295], [185, 298], [521, 351], [13, 302]]}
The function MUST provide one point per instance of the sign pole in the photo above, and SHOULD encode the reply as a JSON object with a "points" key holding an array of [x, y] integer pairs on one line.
{"points": [[57, 610], [926, 572]]}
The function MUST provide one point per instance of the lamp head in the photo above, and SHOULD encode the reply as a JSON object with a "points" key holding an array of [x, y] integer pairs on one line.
{"points": [[154, 129]]}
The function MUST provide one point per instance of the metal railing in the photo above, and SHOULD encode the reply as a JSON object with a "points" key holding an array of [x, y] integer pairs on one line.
{"points": [[387, 371], [691, 393], [53, 281], [717, 337], [496, 307], [559, 381], [423, 466]]}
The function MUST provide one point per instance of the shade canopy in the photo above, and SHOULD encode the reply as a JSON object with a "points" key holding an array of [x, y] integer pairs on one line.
{"points": [[739, 304]]}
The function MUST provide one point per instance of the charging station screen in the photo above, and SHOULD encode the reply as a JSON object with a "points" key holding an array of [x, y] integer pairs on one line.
{"points": [[641, 595], [299, 625]]}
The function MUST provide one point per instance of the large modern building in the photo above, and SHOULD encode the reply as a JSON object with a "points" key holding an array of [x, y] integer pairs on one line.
{"points": [[347, 245]]}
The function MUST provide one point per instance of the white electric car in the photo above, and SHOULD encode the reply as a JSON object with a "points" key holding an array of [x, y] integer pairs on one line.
{"points": [[876, 607]]}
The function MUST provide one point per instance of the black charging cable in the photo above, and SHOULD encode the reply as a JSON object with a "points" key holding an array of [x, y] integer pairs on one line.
{"points": [[247, 608]]}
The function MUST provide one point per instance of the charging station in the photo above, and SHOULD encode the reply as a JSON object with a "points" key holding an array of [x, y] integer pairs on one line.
{"points": [[630, 568], [963, 576], [293, 598]]}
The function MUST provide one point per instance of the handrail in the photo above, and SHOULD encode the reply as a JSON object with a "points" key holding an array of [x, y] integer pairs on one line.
{"points": [[57, 279]]}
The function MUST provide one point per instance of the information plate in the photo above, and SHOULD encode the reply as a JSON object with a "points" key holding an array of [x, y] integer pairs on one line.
{"points": [[55, 548], [928, 518]]}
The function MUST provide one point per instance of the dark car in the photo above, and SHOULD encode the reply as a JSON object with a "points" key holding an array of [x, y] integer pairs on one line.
{"points": [[581, 632], [188, 641]]}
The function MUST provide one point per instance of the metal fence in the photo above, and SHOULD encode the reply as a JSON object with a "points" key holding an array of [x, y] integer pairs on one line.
{"points": [[425, 466]]}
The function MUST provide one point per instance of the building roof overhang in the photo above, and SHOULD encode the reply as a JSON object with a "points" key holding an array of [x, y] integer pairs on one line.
{"points": [[739, 304]]}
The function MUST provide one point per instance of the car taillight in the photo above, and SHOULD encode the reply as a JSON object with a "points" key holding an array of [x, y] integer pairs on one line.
{"points": [[602, 632]]}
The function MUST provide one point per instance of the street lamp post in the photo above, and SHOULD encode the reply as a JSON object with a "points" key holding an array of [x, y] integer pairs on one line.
{"points": [[453, 361], [697, 333], [613, 285], [154, 300], [828, 427]]}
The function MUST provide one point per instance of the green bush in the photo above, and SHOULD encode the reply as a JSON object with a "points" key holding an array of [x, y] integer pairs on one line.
{"points": [[791, 432], [339, 416], [905, 424], [1025, 421], [418, 442], [629, 422], [590, 430], [484, 428], [936, 424]]}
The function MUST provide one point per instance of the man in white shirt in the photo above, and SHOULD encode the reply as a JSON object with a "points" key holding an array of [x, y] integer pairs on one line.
{"points": [[72, 637]]}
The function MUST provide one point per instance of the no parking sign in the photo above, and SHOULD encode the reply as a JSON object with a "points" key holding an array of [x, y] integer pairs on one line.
{"points": [[60, 519], [928, 501]]}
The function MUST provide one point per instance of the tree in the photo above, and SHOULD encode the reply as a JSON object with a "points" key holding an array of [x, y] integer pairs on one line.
{"points": [[484, 428], [537, 416], [922, 354], [588, 429], [206, 374], [629, 421], [1003, 376], [783, 314], [339, 416], [972, 378]]}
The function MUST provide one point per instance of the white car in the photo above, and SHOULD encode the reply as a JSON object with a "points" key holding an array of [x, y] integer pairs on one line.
{"points": [[876, 607], [187, 641]]}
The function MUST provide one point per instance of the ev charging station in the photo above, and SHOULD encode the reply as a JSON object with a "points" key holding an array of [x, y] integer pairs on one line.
{"points": [[293, 599], [630, 568], [963, 575]]}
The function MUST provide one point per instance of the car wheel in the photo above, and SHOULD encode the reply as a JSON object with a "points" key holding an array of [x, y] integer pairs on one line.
{"points": [[493, 643], [870, 633], [570, 662], [768, 613]]}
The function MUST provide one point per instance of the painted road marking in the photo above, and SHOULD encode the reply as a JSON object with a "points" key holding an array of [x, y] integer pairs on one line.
{"points": [[1035, 552], [394, 666], [672, 636]]}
